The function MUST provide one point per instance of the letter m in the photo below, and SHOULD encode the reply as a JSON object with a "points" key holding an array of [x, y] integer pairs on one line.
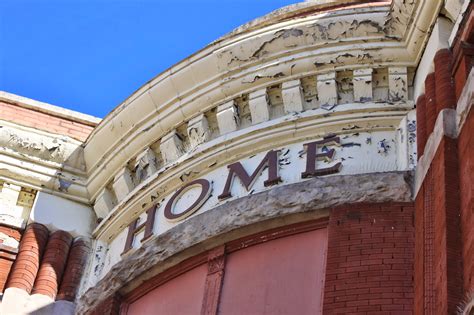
{"points": [[236, 169]]}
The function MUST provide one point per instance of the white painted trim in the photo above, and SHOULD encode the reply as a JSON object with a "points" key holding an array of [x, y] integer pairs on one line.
{"points": [[207, 79]]}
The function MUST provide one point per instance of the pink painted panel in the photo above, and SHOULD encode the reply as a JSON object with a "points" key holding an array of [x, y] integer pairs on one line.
{"points": [[283, 276], [181, 295]]}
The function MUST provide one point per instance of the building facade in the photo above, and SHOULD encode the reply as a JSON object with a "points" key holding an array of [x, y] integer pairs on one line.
{"points": [[317, 160]]}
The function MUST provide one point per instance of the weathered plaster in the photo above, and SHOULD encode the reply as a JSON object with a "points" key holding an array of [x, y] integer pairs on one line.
{"points": [[40, 160], [350, 121], [271, 54]]}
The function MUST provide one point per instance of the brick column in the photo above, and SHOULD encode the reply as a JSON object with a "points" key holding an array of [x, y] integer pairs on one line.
{"points": [[27, 262], [445, 90], [53, 264], [430, 103], [447, 239], [438, 235], [76, 263], [421, 135], [466, 173]]}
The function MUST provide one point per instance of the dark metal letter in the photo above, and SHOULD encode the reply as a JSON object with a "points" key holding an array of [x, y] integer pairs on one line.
{"points": [[205, 192], [133, 229], [312, 156], [270, 160]]}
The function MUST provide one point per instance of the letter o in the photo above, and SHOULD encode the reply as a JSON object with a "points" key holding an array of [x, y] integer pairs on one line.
{"points": [[205, 194]]}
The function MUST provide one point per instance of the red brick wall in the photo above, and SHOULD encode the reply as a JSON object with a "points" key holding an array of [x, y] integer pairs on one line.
{"points": [[370, 259], [466, 172], [7, 254], [447, 240], [438, 235], [31, 118]]}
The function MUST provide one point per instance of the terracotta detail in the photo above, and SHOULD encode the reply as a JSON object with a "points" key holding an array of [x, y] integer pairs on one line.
{"points": [[213, 286], [27, 263], [76, 263], [53, 264]]}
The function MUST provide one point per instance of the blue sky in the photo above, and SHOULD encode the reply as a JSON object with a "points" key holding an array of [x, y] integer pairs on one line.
{"points": [[90, 55]]}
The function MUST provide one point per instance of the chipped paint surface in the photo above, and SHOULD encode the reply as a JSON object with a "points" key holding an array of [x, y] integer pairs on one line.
{"points": [[356, 155], [42, 161], [276, 53], [301, 74], [278, 88]]}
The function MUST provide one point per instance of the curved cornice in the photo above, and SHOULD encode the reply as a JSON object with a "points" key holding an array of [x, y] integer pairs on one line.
{"points": [[315, 43]]}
